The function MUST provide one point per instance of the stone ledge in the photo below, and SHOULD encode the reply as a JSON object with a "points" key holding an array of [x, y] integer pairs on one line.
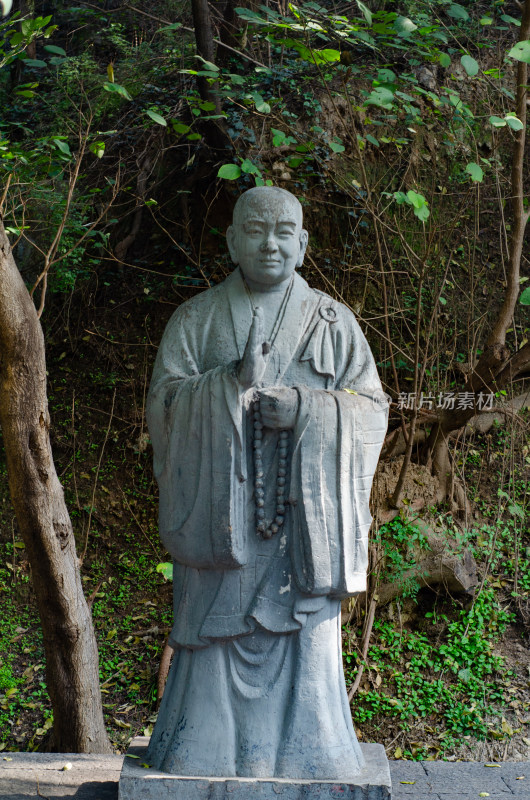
{"points": [[139, 783]]}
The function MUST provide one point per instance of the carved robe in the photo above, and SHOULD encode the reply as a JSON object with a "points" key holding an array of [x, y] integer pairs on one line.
{"points": [[256, 687]]}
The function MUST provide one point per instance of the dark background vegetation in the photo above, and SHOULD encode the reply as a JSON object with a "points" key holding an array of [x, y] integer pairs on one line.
{"points": [[127, 131]]}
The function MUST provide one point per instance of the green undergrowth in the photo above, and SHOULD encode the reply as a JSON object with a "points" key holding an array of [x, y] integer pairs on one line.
{"points": [[454, 677], [131, 609]]}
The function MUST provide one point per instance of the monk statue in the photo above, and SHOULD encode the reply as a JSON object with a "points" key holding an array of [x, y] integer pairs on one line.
{"points": [[267, 418]]}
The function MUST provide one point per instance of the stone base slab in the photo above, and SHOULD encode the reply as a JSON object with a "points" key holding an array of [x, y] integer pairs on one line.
{"points": [[139, 783]]}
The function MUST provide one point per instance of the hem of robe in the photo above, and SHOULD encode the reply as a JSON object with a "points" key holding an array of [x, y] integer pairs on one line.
{"points": [[264, 706]]}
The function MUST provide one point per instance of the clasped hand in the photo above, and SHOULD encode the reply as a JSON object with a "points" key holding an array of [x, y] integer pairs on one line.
{"points": [[279, 404]]}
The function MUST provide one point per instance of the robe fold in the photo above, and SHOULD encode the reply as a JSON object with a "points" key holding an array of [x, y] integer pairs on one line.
{"points": [[232, 588]]}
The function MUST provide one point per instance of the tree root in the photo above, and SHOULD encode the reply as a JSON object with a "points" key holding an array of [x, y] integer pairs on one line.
{"points": [[444, 566], [163, 670]]}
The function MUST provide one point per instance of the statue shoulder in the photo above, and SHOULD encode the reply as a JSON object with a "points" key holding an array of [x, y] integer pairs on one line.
{"points": [[334, 311], [198, 308]]}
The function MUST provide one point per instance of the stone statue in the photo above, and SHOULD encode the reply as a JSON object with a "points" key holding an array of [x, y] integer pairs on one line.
{"points": [[267, 418]]}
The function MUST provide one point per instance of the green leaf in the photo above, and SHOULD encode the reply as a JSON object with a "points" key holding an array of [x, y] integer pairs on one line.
{"points": [[278, 137], [365, 12], [239, 80], [521, 51], [250, 16], [415, 199], [386, 75], [156, 117], [404, 26], [180, 127], [52, 48], [5, 5], [249, 168], [419, 204], [465, 675], [116, 88], [422, 213], [514, 122], [336, 147], [476, 172], [208, 64], [442, 300], [380, 96], [173, 27], [63, 147], [525, 297], [34, 62], [456, 11], [469, 64], [486, 21], [326, 56], [444, 59], [515, 509], [507, 18], [497, 122], [372, 140], [260, 103], [229, 172], [98, 148], [166, 568]]}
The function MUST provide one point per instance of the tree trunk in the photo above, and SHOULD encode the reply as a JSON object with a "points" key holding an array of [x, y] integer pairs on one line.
{"points": [[72, 670], [213, 129], [202, 24]]}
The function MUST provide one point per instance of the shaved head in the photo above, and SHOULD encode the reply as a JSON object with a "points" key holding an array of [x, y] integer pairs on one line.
{"points": [[266, 239], [260, 197]]}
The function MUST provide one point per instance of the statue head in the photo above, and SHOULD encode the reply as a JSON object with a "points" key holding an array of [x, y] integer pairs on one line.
{"points": [[266, 238]]}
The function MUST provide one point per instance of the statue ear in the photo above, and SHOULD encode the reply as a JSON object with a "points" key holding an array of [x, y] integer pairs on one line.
{"points": [[304, 236], [231, 242]]}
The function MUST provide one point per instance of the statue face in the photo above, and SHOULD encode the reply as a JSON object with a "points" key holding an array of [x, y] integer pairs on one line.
{"points": [[266, 238]]}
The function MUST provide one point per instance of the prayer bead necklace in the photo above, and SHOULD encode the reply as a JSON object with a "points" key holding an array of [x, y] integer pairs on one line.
{"points": [[264, 530]]}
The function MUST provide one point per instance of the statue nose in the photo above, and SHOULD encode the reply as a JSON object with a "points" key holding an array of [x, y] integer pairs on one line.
{"points": [[269, 245]]}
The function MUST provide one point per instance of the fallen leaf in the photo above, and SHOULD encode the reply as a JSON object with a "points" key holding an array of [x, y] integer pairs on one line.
{"points": [[483, 794], [67, 766], [493, 765], [409, 783], [7, 759], [398, 752]]}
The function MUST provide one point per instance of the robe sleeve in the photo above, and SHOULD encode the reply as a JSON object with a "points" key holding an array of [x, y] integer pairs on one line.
{"points": [[195, 421], [337, 440]]}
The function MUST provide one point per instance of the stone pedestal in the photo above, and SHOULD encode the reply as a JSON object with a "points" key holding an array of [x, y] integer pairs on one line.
{"points": [[140, 783]]}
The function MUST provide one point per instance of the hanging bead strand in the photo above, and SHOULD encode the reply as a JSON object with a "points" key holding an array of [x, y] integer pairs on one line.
{"points": [[264, 530]]}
